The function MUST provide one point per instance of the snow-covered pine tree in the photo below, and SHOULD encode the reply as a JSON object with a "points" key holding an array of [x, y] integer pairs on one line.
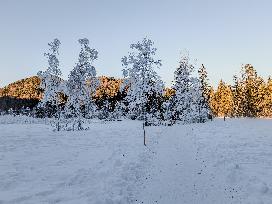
{"points": [[50, 82], [143, 82], [238, 97], [180, 103], [205, 94], [81, 85], [118, 110], [198, 112]]}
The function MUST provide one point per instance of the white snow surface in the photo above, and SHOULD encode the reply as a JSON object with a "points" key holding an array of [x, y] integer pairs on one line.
{"points": [[211, 163]]}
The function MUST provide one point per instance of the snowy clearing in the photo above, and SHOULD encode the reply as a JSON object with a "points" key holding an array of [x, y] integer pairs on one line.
{"points": [[216, 162]]}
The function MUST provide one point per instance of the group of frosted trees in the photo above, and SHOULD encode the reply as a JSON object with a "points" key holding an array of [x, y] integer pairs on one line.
{"points": [[72, 101]]}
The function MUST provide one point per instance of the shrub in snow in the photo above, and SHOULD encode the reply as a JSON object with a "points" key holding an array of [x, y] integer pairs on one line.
{"points": [[22, 119]]}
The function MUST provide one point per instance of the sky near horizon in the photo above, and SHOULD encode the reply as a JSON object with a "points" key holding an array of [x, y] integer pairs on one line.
{"points": [[221, 34]]}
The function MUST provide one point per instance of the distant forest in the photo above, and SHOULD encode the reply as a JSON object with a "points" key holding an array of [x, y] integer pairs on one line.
{"points": [[250, 95], [27, 93]]}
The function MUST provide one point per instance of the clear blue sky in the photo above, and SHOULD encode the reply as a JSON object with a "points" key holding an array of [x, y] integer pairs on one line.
{"points": [[221, 34]]}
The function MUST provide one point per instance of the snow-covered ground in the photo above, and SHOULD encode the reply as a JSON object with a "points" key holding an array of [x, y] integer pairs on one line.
{"points": [[216, 162]]}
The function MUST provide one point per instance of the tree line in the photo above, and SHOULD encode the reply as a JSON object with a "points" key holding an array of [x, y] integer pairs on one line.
{"points": [[249, 96], [140, 95]]}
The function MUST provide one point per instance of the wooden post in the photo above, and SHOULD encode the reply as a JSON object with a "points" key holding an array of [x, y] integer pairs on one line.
{"points": [[144, 133], [58, 124]]}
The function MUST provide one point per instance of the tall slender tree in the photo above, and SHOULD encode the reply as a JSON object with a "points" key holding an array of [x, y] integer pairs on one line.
{"points": [[212, 102], [205, 92], [51, 81], [224, 100], [238, 97], [81, 84], [267, 111], [180, 102], [251, 83]]}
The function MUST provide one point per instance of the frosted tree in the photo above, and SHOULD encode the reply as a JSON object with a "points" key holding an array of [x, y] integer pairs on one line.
{"points": [[189, 103], [199, 110], [142, 80], [51, 81], [118, 110], [205, 93], [180, 103], [81, 85]]}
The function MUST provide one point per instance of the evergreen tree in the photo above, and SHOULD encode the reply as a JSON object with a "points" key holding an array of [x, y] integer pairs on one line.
{"points": [[238, 98], [180, 102], [205, 89], [251, 83], [204, 81], [197, 112], [267, 99], [260, 101], [212, 102], [224, 100]]}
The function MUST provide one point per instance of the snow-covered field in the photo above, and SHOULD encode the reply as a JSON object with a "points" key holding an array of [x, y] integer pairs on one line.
{"points": [[216, 162]]}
